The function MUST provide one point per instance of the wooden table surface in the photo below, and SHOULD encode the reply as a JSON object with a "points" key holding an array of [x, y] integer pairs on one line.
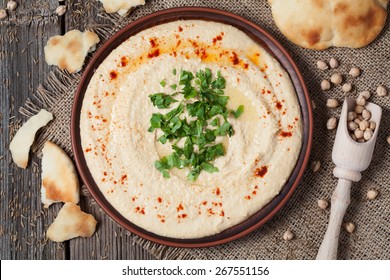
{"points": [[24, 221]]}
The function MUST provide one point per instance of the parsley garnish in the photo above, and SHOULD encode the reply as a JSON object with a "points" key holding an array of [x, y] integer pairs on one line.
{"points": [[205, 104], [161, 100], [238, 112]]}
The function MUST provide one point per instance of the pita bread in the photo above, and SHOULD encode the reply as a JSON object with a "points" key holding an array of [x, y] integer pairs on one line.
{"points": [[59, 177], [320, 24], [24, 137], [122, 7], [71, 222], [69, 51]]}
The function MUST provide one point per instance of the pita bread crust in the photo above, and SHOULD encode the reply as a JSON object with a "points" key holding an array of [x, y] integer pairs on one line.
{"points": [[71, 222], [327, 23], [69, 51], [59, 178], [24, 137], [122, 7]]}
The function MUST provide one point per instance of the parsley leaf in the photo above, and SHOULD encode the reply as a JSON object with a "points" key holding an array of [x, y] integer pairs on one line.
{"points": [[193, 174], [219, 82], [162, 166], [161, 100], [188, 148], [209, 167], [238, 112], [225, 129], [213, 152], [215, 122], [156, 121]]}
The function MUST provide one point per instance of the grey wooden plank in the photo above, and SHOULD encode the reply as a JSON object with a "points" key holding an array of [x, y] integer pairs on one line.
{"points": [[110, 241], [23, 221]]}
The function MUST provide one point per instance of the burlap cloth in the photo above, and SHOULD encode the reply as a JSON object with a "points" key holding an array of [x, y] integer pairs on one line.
{"points": [[301, 215]]}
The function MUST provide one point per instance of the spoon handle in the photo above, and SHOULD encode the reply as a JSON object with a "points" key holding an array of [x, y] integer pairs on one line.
{"points": [[340, 201]]}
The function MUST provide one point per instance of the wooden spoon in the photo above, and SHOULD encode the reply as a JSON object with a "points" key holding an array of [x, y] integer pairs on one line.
{"points": [[350, 158]]}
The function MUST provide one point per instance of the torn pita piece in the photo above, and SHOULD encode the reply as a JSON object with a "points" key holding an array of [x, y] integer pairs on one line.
{"points": [[59, 177], [24, 137], [69, 51], [71, 222], [122, 7]]}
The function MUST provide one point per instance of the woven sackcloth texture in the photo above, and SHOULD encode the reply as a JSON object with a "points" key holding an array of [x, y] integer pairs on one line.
{"points": [[371, 239]]}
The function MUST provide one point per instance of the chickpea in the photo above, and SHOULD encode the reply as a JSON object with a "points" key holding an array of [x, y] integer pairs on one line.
{"points": [[354, 72], [372, 194], [372, 125], [359, 109], [347, 87], [336, 78], [325, 85], [3, 14], [366, 94], [366, 114], [332, 103], [333, 63], [315, 166], [349, 227], [352, 126], [368, 134], [288, 235], [331, 123], [381, 91], [322, 65], [363, 125], [359, 134], [323, 204], [12, 5], [351, 116], [361, 101], [61, 10]]}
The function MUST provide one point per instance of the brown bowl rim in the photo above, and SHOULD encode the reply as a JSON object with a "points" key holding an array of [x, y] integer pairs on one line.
{"points": [[262, 37]]}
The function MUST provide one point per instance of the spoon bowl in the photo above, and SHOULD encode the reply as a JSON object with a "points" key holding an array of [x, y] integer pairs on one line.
{"points": [[350, 156]]}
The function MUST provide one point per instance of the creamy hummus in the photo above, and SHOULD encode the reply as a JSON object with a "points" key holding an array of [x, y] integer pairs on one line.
{"points": [[120, 152]]}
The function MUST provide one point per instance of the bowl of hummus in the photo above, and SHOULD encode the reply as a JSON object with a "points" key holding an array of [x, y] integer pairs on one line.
{"points": [[191, 127]]}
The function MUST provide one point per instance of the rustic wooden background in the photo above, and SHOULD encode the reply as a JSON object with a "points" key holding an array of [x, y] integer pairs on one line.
{"points": [[23, 220]]}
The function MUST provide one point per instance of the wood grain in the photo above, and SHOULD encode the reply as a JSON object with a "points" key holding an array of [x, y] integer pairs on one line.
{"points": [[23, 220]]}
